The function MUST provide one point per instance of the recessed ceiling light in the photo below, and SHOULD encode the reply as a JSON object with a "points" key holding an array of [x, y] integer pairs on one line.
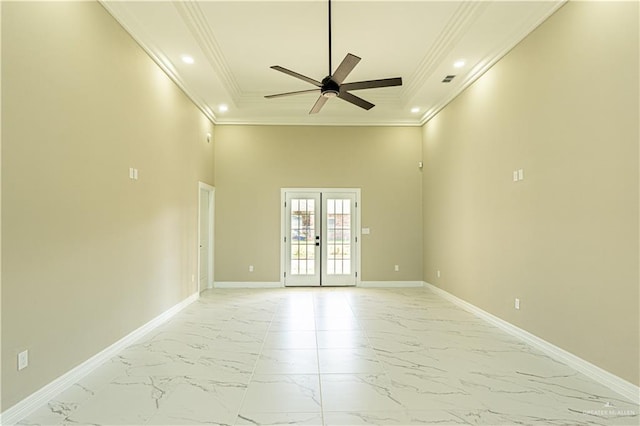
{"points": [[458, 64], [415, 110], [187, 59], [223, 108]]}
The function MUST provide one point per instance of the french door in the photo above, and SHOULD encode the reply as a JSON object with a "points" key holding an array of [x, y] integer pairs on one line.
{"points": [[320, 238]]}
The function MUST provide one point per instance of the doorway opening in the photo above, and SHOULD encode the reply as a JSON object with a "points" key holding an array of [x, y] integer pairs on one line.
{"points": [[206, 202], [320, 238]]}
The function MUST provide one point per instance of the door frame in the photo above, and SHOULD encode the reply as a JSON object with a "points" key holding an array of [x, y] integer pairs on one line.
{"points": [[283, 227], [212, 193]]}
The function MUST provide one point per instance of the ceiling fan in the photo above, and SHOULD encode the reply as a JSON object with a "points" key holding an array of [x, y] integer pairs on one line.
{"points": [[332, 85]]}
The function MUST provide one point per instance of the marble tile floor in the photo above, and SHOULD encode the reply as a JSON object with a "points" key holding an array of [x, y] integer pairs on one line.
{"points": [[332, 356]]}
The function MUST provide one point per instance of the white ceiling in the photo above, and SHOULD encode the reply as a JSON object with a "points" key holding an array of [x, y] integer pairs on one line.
{"points": [[234, 43]]}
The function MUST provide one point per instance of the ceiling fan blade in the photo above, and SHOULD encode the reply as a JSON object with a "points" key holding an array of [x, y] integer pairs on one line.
{"points": [[297, 75], [370, 84], [346, 66], [318, 105], [346, 96], [299, 92]]}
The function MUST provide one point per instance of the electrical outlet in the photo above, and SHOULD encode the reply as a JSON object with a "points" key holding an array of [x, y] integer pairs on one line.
{"points": [[438, 273], [396, 268], [193, 278], [250, 268], [23, 360], [517, 303]]}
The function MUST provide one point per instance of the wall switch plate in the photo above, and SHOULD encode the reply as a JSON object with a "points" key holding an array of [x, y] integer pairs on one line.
{"points": [[517, 303], [250, 268], [133, 173], [520, 174], [438, 273], [366, 231], [515, 175], [23, 360], [396, 268]]}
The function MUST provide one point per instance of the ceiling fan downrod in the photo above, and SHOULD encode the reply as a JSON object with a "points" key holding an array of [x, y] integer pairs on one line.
{"points": [[330, 67], [333, 86]]}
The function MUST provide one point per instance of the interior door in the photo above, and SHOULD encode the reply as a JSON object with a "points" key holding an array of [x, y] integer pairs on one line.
{"points": [[204, 231], [320, 238]]}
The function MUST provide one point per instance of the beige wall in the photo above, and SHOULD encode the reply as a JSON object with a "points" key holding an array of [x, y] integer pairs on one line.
{"points": [[254, 162], [563, 106], [89, 255]]}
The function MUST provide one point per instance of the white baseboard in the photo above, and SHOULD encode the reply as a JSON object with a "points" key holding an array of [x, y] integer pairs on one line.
{"points": [[390, 284], [613, 382], [275, 284], [247, 284], [37, 399]]}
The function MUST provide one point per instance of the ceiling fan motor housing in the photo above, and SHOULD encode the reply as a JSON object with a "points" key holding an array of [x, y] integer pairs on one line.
{"points": [[329, 89], [332, 85]]}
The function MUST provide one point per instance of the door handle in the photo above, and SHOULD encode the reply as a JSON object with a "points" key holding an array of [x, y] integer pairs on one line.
{"points": [[317, 240]]}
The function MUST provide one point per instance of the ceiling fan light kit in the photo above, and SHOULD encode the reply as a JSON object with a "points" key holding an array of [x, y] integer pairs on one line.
{"points": [[332, 86]]}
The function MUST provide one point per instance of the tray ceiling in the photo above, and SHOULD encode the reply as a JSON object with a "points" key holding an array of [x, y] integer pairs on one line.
{"points": [[233, 44]]}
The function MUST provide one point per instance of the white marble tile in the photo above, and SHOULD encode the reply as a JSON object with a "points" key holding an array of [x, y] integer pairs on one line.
{"points": [[282, 393], [387, 324], [541, 417], [334, 356], [234, 343], [221, 361], [375, 418], [290, 340], [124, 401], [239, 341], [422, 391], [297, 305], [200, 401], [415, 361], [380, 418], [56, 411], [421, 417], [358, 392], [264, 419], [287, 361], [395, 342], [293, 324], [336, 339], [349, 360], [332, 309], [47, 415], [337, 322]]}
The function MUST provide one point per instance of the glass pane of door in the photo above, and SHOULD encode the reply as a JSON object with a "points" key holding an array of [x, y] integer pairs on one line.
{"points": [[339, 239], [303, 239]]}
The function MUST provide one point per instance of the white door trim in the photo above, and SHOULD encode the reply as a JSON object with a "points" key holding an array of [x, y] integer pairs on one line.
{"points": [[212, 193], [283, 227]]}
